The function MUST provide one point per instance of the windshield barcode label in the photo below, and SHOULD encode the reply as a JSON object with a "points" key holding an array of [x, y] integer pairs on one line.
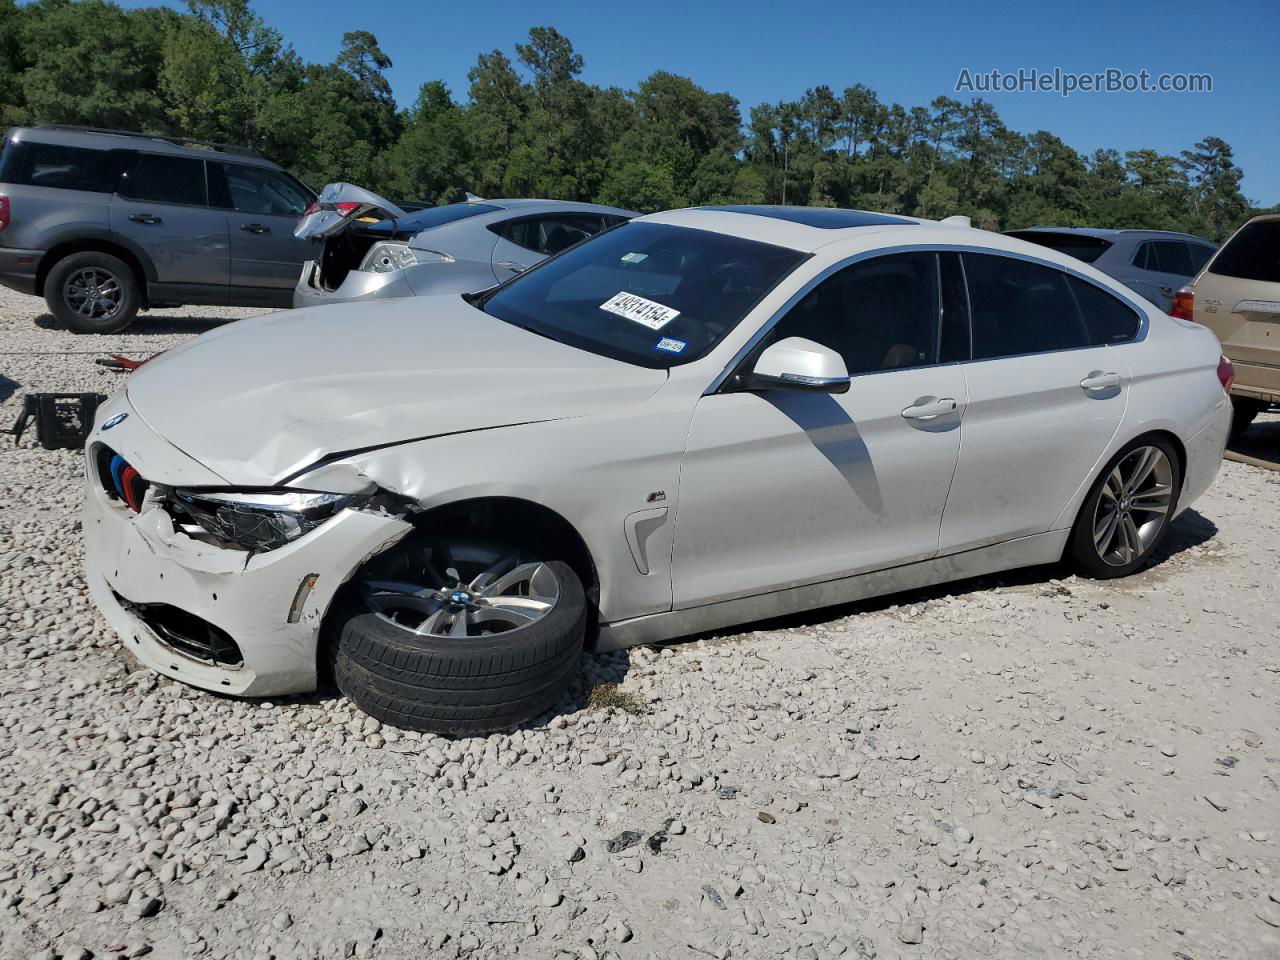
{"points": [[653, 315]]}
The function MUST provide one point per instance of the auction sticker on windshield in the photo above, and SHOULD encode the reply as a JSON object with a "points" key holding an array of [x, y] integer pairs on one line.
{"points": [[653, 315]]}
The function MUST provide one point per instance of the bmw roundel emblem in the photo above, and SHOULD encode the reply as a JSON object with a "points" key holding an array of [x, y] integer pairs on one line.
{"points": [[118, 418]]}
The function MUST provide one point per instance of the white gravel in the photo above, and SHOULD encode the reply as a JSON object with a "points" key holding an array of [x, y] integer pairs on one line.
{"points": [[1018, 767]]}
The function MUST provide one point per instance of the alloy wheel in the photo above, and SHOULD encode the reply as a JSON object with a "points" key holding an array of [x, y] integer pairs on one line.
{"points": [[1133, 506], [94, 293], [461, 590]]}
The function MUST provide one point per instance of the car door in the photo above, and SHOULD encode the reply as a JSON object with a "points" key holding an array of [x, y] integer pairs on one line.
{"points": [[525, 241], [1046, 396], [265, 207], [1162, 266], [162, 206], [780, 488]]}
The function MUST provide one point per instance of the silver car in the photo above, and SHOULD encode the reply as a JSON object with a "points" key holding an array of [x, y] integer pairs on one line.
{"points": [[371, 249], [1152, 263]]}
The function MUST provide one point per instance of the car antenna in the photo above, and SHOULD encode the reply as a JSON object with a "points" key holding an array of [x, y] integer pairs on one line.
{"points": [[472, 198], [958, 221]]}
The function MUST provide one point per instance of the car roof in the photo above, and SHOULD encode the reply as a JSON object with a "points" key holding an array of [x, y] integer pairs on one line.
{"points": [[96, 138], [534, 204], [783, 226], [1104, 233]]}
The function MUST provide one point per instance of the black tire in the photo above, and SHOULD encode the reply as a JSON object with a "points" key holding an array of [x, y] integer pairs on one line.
{"points": [[1244, 411], [60, 284], [1081, 550], [469, 686]]}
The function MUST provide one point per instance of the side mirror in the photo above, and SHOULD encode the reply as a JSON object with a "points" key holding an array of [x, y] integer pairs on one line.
{"points": [[799, 364]]}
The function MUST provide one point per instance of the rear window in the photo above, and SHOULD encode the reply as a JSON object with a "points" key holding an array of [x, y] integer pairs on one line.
{"points": [[1252, 254], [33, 164], [439, 216], [165, 179], [1076, 245]]}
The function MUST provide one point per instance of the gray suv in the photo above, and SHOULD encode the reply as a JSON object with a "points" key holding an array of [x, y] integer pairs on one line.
{"points": [[103, 223], [1152, 263]]}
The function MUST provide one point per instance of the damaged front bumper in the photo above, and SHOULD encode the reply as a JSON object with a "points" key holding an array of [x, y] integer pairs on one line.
{"points": [[222, 619]]}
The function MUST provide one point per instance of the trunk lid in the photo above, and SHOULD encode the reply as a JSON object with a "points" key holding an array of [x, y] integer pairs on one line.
{"points": [[341, 205]]}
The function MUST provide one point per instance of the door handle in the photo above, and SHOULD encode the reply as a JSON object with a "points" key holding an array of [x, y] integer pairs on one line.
{"points": [[1098, 380], [512, 266], [144, 218], [927, 408], [254, 228]]}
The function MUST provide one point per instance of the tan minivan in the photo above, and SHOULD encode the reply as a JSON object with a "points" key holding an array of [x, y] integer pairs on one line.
{"points": [[1237, 295]]}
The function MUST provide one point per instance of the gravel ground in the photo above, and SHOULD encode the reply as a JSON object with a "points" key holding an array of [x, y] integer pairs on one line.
{"points": [[1015, 767]]}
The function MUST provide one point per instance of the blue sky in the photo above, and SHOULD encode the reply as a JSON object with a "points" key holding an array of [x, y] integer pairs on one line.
{"points": [[909, 52]]}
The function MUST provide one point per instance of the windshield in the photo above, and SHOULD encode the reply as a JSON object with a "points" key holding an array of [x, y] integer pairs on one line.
{"points": [[645, 293]]}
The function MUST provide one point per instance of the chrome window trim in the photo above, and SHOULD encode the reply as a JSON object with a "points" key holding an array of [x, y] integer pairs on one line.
{"points": [[1144, 321]]}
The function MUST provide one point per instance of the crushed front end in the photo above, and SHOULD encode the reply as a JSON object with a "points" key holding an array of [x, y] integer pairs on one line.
{"points": [[222, 589]]}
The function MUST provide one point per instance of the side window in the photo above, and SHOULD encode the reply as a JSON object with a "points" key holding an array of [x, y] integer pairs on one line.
{"points": [[879, 314], [1020, 308], [1173, 257], [259, 190], [66, 168], [1108, 319], [1200, 254], [1143, 259], [165, 179], [551, 234]]}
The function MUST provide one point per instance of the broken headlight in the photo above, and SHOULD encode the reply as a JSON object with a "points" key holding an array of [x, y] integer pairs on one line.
{"points": [[388, 257], [258, 521]]}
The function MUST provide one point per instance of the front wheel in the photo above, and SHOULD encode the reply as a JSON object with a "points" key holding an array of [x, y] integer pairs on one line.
{"points": [[459, 637], [1127, 511]]}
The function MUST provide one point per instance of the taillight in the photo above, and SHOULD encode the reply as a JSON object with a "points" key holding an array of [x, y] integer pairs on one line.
{"points": [[4, 211], [1184, 303], [1226, 374], [347, 207]]}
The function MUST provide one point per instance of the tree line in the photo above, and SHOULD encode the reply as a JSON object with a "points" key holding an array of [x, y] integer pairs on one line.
{"points": [[530, 126]]}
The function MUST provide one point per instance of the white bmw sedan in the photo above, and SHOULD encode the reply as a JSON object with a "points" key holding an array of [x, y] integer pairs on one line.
{"points": [[695, 419]]}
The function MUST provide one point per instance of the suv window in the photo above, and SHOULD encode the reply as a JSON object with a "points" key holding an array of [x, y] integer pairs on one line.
{"points": [[1020, 308], [1200, 254], [1165, 256], [1252, 254], [251, 189], [165, 179], [880, 314], [551, 234], [1078, 245], [36, 164]]}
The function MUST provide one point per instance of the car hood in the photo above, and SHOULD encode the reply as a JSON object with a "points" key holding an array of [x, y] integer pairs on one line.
{"points": [[259, 400]]}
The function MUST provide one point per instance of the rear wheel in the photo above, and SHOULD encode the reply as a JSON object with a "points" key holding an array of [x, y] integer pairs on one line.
{"points": [[1127, 512], [92, 292], [1244, 411], [461, 637]]}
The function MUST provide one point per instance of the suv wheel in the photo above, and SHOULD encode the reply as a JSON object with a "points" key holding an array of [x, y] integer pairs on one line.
{"points": [[458, 636], [92, 292]]}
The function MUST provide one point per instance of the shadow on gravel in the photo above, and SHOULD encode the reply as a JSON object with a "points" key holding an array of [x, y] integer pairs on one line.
{"points": [[592, 688], [147, 325], [1190, 530], [1261, 440], [7, 388]]}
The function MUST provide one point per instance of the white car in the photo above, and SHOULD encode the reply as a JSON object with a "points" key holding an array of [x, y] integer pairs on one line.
{"points": [[699, 418]]}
